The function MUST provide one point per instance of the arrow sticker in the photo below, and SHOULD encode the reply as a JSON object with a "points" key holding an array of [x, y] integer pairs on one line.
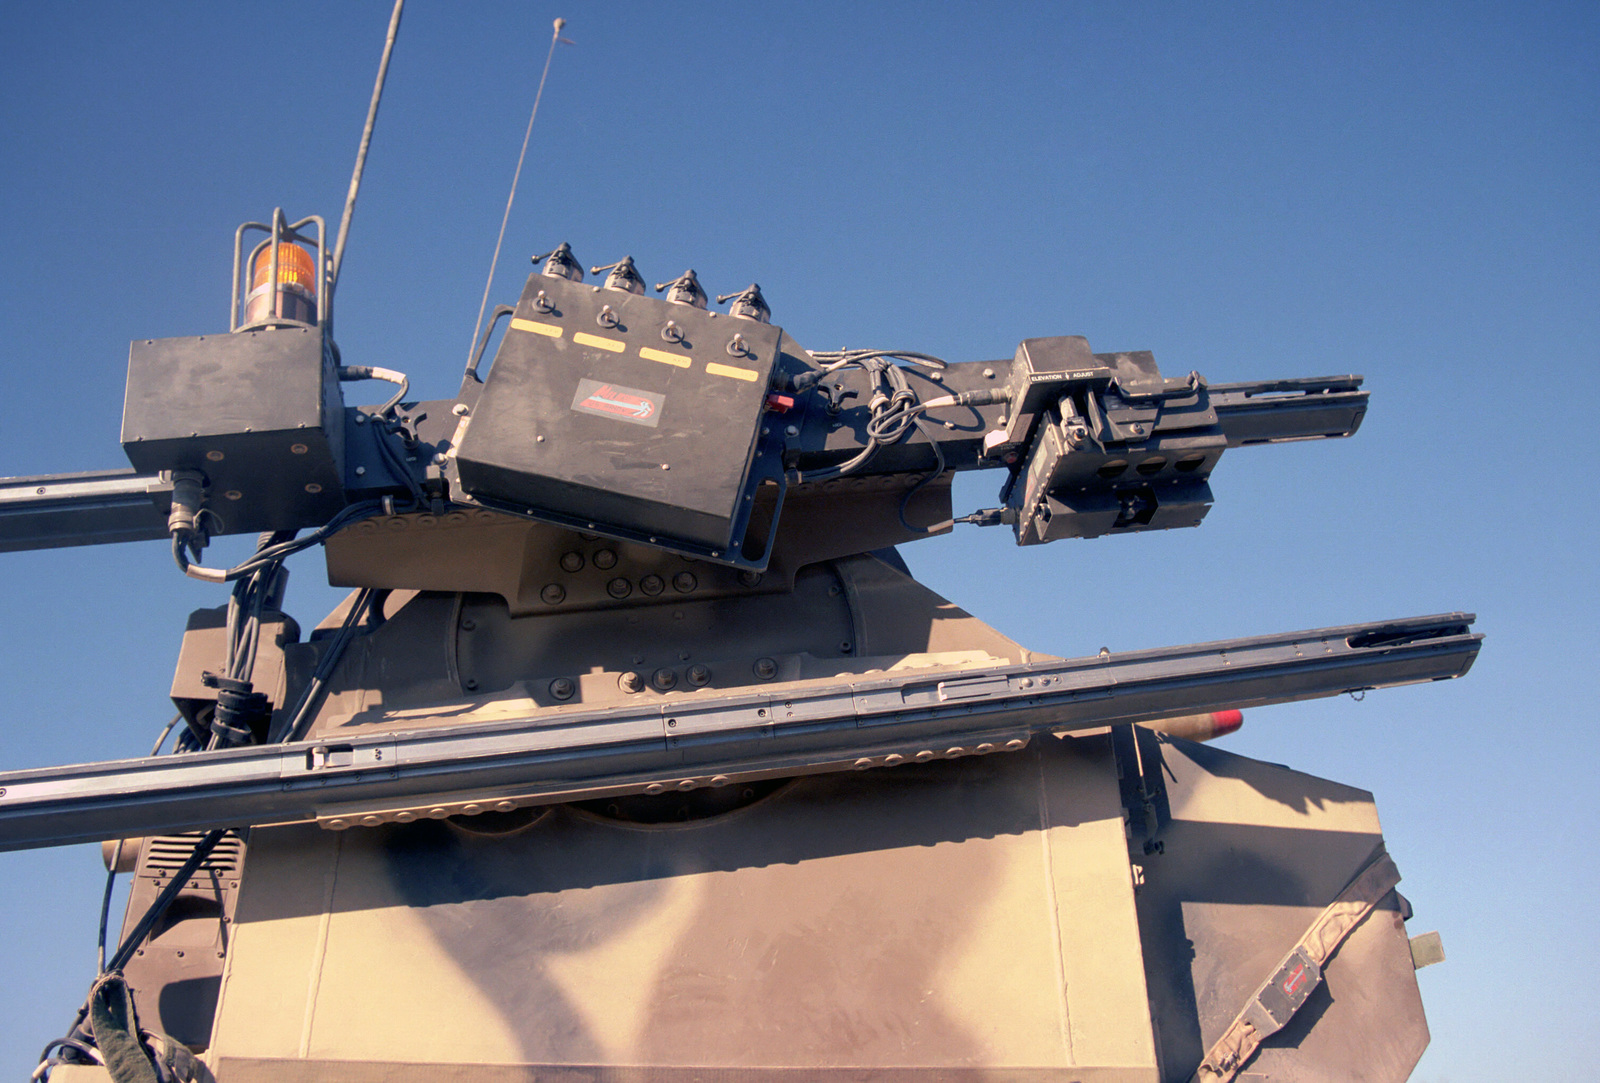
{"points": [[628, 404]]}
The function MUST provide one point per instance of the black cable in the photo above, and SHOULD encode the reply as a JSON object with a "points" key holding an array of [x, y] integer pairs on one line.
{"points": [[180, 879], [397, 465], [311, 695], [938, 456], [276, 553], [891, 409], [116, 856]]}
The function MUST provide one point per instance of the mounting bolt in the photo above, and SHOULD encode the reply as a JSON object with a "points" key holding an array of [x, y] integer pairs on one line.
{"points": [[605, 559], [684, 582], [553, 594], [652, 585], [749, 577], [630, 682], [459, 409], [766, 668], [562, 688], [699, 674], [572, 562], [664, 678], [619, 588]]}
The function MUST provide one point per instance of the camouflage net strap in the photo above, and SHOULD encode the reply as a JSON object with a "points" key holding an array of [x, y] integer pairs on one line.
{"points": [[1300, 972], [116, 1030]]}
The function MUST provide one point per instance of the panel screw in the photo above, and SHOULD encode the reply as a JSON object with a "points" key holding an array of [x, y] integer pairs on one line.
{"points": [[699, 674], [553, 594], [766, 668], [572, 562], [684, 582], [630, 682], [664, 678], [562, 688]]}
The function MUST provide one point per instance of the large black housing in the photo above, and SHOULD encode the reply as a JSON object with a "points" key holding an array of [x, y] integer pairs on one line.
{"points": [[259, 413], [627, 415]]}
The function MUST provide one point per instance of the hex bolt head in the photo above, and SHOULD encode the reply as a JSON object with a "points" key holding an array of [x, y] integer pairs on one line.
{"points": [[604, 559], [652, 585], [630, 682], [572, 562], [562, 688], [684, 582], [699, 674], [553, 594], [619, 588], [766, 668], [664, 678], [749, 578]]}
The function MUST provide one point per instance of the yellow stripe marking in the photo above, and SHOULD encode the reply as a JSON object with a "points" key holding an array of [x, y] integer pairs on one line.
{"points": [[673, 359], [748, 375], [536, 327], [583, 338]]}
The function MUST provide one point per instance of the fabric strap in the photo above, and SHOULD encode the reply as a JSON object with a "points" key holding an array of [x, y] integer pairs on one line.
{"points": [[1277, 998], [116, 1031]]}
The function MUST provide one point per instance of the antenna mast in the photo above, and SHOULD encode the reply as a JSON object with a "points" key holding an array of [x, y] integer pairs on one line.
{"points": [[555, 37]]}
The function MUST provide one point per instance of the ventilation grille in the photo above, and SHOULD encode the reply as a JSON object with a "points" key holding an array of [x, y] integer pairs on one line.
{"points": [[167, 853]]}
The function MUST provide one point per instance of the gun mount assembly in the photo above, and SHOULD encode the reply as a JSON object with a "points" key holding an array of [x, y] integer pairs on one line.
{"points": [[642, 568]]}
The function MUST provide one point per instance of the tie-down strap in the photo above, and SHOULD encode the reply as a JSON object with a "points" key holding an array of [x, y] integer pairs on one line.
{"points": [[1280, 996]]}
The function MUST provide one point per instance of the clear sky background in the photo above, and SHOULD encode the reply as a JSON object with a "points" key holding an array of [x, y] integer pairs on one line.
{"points": [[1406, 191]]}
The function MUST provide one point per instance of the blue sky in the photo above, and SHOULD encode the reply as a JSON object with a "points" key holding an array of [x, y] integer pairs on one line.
{"points": [[1252, 190]]}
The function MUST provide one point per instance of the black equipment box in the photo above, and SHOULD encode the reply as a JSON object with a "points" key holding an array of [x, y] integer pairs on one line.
{"points": [[625, 415], [259, 413]]}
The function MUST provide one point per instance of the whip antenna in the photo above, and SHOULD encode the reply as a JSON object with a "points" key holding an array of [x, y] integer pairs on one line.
{"points": [[366, 141], [555, 37]]}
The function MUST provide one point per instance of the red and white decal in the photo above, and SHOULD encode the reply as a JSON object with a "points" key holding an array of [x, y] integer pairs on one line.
{"points": [[631, 404], [609, 399]]}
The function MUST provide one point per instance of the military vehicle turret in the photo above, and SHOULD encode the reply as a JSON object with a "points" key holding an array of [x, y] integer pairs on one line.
{"points": [[636, 752]]}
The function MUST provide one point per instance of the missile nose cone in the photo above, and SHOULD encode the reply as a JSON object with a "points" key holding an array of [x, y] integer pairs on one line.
{"points": [[1226, 721]]}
